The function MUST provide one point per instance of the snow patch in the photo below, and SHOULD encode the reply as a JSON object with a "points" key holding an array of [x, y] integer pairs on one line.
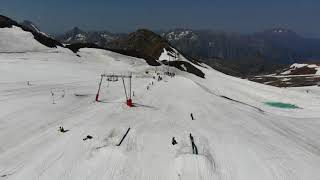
{"points": [[165, 56], [286, 79], [80, 37], [16, 40], [297, 66], [177, 35]]}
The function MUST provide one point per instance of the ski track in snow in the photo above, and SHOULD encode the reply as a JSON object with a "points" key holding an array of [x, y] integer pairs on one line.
{"points": [[237, 136]]}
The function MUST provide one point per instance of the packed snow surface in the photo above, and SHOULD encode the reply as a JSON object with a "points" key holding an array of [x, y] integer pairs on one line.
{"points": [[237, 136], [15, 40]]}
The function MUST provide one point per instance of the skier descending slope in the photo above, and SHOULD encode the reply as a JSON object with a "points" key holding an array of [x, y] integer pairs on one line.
{"points": [[194, 147]]}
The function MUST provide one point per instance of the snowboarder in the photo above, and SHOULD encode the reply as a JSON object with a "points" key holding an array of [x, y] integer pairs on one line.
{"points": [[174, 142]]}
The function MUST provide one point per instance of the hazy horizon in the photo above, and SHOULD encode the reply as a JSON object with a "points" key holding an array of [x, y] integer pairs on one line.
{"points": [[247, 16]]}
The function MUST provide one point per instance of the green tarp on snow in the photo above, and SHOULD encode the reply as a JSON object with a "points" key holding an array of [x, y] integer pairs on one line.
{"points": [[282, 105]]}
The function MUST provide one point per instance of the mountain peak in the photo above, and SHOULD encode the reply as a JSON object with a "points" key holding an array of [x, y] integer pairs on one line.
{"points": [[280, 32], [30, 25], [7, 22], [42, 38], [76, 30], [178, 34]]}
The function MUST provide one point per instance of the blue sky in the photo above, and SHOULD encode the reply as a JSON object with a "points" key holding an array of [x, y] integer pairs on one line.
{"points": [[126, 15]]}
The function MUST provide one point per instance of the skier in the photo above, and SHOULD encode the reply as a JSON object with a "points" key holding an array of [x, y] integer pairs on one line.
{"points": [[61, 129], [52, 94], [194, 147], [174, 142], [191, 116]]}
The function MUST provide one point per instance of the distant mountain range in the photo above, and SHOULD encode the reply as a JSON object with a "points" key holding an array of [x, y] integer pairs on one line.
{"points": [[76, 35], [295, 75], [231, 53], [143, 44], [246, 54]]}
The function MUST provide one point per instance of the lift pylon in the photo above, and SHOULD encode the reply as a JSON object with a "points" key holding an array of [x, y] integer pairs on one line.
{"points": [[128, 92]]}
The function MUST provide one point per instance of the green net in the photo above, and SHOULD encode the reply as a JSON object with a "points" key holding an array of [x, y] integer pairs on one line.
{"points": [[282, 105]]}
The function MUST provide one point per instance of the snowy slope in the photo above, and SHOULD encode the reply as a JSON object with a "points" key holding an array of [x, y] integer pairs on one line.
{"points": [[16, 40], [241, 139]]}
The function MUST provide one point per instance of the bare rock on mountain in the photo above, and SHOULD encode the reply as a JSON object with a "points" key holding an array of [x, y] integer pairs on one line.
{"points": [[6, 22]]}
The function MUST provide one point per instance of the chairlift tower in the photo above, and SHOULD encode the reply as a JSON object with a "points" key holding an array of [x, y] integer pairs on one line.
{"points": [[114, 77]]}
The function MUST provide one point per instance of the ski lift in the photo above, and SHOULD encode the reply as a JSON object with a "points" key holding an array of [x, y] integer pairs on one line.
{"points": [[114, 78]]}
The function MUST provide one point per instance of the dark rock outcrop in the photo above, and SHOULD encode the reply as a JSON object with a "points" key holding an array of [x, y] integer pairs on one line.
{"points": [[244, 55], [30, 25], [143, 44], [77, 46], [6, 22]]}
